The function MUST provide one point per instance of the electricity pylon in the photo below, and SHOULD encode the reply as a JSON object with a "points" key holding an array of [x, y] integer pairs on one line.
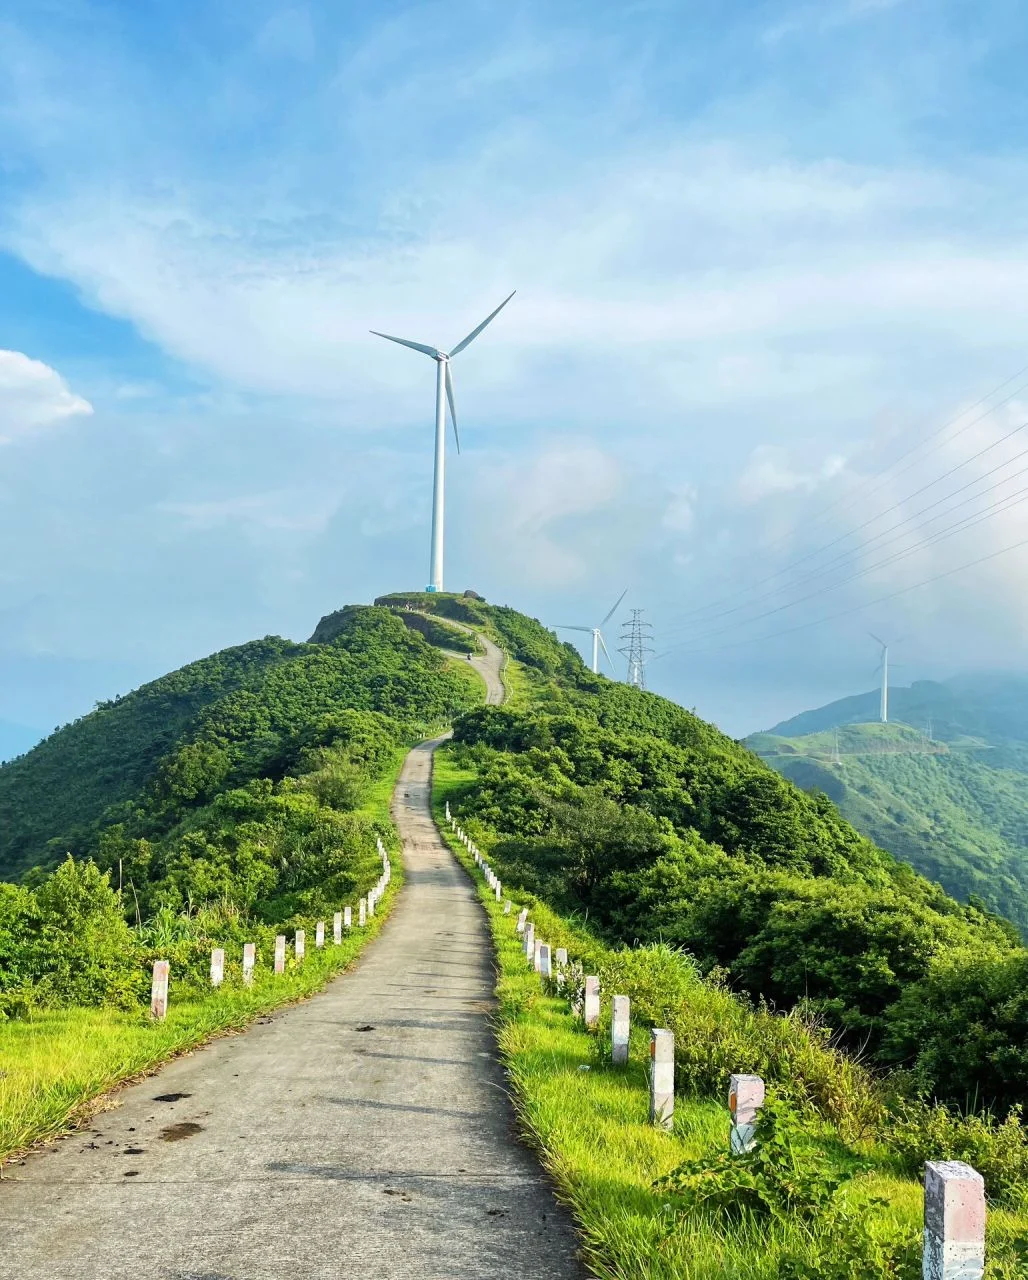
{"points": [[636, 648]]}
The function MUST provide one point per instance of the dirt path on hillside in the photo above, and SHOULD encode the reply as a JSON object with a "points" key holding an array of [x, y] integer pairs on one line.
{"points": [[366, 1132]]}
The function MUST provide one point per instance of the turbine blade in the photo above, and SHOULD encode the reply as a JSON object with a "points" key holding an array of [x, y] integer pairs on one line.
{"points": [[475, 332], [449, 400], [877, 641], [604, 648], [405, 342], [611, 614], [562, 626]]}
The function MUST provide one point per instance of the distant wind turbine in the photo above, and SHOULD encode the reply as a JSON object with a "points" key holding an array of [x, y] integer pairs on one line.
{"points": [[597, 635], [443, 396], [884, 713]]}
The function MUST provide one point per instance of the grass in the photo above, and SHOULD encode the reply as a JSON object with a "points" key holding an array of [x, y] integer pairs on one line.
{"points": [[588, 1121], [55, 1066], [58, 1065]]}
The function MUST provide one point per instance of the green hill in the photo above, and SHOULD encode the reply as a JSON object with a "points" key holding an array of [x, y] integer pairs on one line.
{"points": [[955, 807], [243, 713], [235, 786]]}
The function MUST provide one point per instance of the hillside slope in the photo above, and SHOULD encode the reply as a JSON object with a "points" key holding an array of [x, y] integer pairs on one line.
{"points": [[957, 812], [240, 714]]}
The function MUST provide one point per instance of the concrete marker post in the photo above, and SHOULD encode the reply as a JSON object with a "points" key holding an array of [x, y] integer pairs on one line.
{"points": [[591, 1012], [362, 912], [537, 955], [954, 1221], [371, 905], [249, 960], [159, 989], [562, 963], [662, 1079], [522, 920], [530, 942], [280, 953], [545, 965], [217, 966], [619, 1029], [300, 944], [745, 1098], [506, 907], [337, 928], [319, 934], [348, 917]]}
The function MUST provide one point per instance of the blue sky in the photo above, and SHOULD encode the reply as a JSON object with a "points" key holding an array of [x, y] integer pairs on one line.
{"points": [[761, 250]]}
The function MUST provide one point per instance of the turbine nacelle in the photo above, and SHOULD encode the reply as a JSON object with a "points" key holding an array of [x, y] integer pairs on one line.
{"points": [[597, 634], [444, 399]]}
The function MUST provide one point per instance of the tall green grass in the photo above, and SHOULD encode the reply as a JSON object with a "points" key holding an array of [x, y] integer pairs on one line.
{"points": [[588, 1121], [56, 1065]]}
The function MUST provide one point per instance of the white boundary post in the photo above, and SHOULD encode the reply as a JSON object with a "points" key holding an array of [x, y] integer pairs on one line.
{"points": [[662, 1079], [530, 942], [300, 943], [348, 917], [280, 953], [249, 960], [954, 1221], [319, 934], [217, 966], [159, 989], [591, 1011], [362, 908], [545, 966], [337, 928], [745, 1098], [619, 1027]]}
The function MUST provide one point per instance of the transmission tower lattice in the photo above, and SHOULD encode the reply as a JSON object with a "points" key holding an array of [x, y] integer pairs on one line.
{"points": [[636, 647]]}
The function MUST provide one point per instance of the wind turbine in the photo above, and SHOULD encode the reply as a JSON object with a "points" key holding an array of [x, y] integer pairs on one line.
{"points": [[884, 714], [443, 396], [597, 635]]}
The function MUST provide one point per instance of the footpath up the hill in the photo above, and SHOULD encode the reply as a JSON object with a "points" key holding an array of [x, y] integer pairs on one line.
{"points": [[366, 1132]]}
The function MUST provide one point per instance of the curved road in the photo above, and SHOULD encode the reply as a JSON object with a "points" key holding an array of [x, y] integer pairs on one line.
{"points": [[366, 1132]]}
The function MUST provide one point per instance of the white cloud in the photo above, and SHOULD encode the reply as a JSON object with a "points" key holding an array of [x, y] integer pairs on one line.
{"points": [[33, 397], [769, 470]]}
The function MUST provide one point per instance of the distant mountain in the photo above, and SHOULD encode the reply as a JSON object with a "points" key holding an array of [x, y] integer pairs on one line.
{"points": [[991, 706], [16, 739], [954, 805]]}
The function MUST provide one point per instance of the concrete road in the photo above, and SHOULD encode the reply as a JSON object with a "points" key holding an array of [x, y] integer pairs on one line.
{"points": [[364, 1133]]}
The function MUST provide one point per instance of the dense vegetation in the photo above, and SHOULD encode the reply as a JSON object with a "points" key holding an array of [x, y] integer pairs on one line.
{"points": [[619, 806], [833, 1188], [954, 812], [214, 806]]}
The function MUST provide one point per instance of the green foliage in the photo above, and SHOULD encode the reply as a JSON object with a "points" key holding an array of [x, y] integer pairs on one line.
{"points": [[998, 1149], [962, 1029], [785, 1174], [958, 813], [615, 804], [245, 812]]}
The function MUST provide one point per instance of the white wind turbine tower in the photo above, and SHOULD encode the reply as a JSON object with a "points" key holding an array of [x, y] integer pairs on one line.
{"points": [[597, 635], [443, 396], [884, 713]]}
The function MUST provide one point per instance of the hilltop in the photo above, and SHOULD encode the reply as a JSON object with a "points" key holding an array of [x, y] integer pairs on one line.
{"points": [[235, 786], [137, 765], [954, 806]]}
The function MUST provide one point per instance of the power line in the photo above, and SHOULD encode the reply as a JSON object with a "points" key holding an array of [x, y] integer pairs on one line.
{"points": [[637, 648], [1004, 504], [849, 500], [938, 536], [846, 613]]}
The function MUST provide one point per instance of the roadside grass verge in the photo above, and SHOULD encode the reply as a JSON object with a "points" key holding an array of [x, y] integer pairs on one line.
{"points": [[56, 1065], [588, 1121]]}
